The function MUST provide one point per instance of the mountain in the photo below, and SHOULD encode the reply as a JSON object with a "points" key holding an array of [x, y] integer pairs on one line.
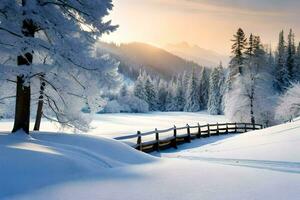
{"points": [[197, 54], [156, 61]]}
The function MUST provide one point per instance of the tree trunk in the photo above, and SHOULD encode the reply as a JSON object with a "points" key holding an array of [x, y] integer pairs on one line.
{"points": [[39, 112], [22, 108], [251, 106]]}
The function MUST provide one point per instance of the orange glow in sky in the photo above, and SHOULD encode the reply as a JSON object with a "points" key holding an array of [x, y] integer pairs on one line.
{"points": [[207, 23]]}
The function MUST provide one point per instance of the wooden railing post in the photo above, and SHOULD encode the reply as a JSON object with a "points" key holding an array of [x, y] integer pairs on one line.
{"points": [[139, 141], [199, 131], [218, 132], [245, 127], [208, 130], [235, 127], [175, 138], [157, 140], [188, 133], [227, 128]]}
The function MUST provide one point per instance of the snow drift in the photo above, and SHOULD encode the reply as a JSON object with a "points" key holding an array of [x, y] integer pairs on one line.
{"points": [[31, 162]]}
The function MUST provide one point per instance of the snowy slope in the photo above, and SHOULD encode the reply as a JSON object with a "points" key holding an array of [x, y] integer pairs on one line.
{"points": [[31, 162], [118, 124], [267, 146], [257, 165]]}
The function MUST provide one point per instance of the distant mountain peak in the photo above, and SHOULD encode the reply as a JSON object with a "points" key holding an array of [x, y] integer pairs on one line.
{"points": [[156, 61], [183, 45], [197, 54]]}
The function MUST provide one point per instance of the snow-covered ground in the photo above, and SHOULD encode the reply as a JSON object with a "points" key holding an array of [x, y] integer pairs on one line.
{"points": [[114, 125], [257, 165]]}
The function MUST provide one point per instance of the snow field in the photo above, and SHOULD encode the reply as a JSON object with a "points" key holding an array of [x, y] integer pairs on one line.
{"points": [[264, 164]]}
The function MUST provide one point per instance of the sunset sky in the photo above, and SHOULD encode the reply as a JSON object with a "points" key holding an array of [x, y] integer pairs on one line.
{"points": [[207, 23]]}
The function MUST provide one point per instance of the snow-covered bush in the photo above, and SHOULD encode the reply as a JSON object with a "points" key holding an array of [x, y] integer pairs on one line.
{"points": [[112, 107], [126, 104], [289, 104], [132, 104]]}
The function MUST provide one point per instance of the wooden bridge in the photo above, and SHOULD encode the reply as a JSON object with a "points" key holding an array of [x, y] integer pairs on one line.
{"points": [[169, 138]]}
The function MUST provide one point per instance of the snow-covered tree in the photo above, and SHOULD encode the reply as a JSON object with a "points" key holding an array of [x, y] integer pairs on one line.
{"points": [[282, 74], [170, 103], [192, 94], [289, 104], [151, 94], [185, 80], [162, 95], [214, 100], [290, 57], [250, 99], [203, 88], [139, 86], [249, 52], [123, 91], [54, 88], [238, 48], [270, 62], [297, 61], [58, 29], [179, 97]]}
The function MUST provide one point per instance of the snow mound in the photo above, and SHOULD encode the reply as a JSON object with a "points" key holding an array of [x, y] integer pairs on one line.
{"points": [[29, 162]]}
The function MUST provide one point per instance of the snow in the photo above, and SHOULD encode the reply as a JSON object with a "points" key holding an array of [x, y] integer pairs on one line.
{"points": [[119, 124], [31, 162], [275, 148], [263, 164]]}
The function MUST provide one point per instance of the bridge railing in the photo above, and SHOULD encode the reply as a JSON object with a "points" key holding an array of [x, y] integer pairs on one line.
{"points": [[166, 138]]}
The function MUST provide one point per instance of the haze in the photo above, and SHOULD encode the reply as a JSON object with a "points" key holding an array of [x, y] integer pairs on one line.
{"points": [[207, 23]]}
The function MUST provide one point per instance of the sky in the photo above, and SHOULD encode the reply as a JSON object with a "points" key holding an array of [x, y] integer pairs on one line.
{"points": [[209, 24]]}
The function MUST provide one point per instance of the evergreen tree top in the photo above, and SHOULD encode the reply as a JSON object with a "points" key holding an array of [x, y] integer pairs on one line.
{"points": [[239, 46]]}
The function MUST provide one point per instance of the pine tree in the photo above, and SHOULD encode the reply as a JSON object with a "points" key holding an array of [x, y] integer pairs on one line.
{"points": [[270, 62], [281, 74], [259, 56], [290, 58], [238, 48], [204, 88], [123, 91], [139, 87], [185, 80], [170, 103], [249, 53], [151, 94], [250, 49], [162, 95], [297, 60], [213, 106], [192, 95], [222, 86], [179, 97]]}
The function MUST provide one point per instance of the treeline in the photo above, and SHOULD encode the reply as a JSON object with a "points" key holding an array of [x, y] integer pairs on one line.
{"points": [[249, 90], [186, 92], [257, 76]]}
